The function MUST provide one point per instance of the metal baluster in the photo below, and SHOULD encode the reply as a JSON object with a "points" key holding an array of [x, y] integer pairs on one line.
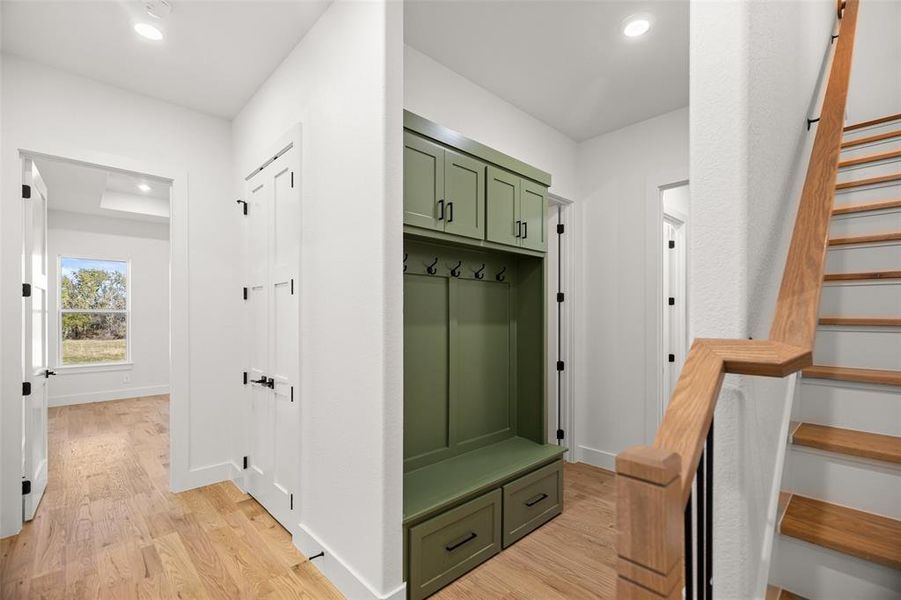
{"points": [[700, 524], [689, 572], [708, 558]]}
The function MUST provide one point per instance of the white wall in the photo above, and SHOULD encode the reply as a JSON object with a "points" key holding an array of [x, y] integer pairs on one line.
{"points": [[343, 84], [433, 91], [875, 89], [50, 110], [85, 236], [753, 73]]}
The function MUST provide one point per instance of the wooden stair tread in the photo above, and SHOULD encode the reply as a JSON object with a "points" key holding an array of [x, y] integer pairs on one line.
{"points": [[861, 321], [871, 537], [847, 185], [889, 236], [871, 122], [862, 276], [778, 593], [866, 207], [862, 160], [872, 138], [849, 441], [880, 376]]}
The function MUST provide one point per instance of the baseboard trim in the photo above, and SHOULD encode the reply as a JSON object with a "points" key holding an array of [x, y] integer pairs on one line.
{"points": [[107, 395], [338, 572], [596, 458], [201, 476]]}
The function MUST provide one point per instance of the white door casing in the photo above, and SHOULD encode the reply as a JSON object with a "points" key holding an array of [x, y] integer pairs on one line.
{"points": [[273, 289], [675, 315], [34, 327]]}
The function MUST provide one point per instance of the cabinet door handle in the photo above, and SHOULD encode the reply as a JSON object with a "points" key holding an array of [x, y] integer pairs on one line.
{"points": [[451, 547], [533, 501], [525, 229], [519, 229], [450, 212], [441, 210]]}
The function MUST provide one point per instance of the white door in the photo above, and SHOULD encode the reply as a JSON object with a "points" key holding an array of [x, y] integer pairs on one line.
{"points": [[273, 287], [34, 328], [675, 314]]}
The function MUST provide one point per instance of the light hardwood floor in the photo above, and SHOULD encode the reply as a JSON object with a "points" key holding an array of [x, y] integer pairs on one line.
{"points": [[109, 528]]}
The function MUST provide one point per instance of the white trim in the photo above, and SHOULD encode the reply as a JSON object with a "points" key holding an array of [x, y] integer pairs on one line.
{"points": [[93, 368], [107, 395], [207, 475], [338, 572], [596, 458]]}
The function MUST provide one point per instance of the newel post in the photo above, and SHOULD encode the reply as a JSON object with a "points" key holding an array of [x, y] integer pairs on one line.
{"points": [[650, 524]]}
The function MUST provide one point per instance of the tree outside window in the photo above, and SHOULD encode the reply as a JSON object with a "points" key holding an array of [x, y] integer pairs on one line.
{"points": [[93, 311]]}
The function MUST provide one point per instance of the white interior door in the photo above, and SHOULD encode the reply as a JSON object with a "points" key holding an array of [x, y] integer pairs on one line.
{"points": [[675, 314], [34, 328], [273, 254]]}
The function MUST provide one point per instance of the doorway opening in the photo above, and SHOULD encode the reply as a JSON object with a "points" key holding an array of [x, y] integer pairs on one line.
{"points": [[96, 324], [674, 307]]}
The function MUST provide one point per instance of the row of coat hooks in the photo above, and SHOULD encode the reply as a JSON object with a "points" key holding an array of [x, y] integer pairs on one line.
{"points": [[456, 270]]}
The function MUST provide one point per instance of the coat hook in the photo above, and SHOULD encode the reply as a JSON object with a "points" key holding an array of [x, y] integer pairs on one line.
{"points": [[431, 268], [405, 261], [500, 275], [480, 274], [455, 270]]}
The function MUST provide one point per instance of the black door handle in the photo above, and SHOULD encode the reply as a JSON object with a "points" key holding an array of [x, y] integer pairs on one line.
{"points": [[450, 212], [270, 383], [519, 229], [261, 380], [472, 535], [441, 210], [525, 230], [48, 373], [535, 500]]}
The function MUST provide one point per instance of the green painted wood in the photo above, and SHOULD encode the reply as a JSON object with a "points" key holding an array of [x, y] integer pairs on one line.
{"points": [[531, 354], [447, 546], [423, 182], [532, 212], [502, 207], [464, 192], [532, 500], [421, 125], [481, 363], [417, 233], [426, 375], [437, 487]]}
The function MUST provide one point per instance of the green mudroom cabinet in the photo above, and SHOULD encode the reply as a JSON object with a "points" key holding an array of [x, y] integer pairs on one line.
{"points": [[478, 473]]}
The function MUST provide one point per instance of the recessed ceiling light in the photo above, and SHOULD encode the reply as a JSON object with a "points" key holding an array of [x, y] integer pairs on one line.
{"points": [[636, 26], [144, 187], [148, 31]]}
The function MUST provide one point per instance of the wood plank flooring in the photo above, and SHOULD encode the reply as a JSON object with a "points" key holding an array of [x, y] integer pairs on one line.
{"points": [[109, 528]]}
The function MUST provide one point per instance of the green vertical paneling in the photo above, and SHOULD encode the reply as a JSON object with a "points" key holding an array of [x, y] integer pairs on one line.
{"points": [[464, 192], [423, 182], [426, 377], [531, 351], [502, 207], [480, 362], [532, 211]]}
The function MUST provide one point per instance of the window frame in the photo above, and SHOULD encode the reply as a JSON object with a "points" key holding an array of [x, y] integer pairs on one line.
{"points": [[60, 311]]}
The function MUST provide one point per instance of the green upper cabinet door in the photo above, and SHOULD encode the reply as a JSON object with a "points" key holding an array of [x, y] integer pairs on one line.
{"points": [[464, 195], [423, 183], [502, 222], [532, 211]]}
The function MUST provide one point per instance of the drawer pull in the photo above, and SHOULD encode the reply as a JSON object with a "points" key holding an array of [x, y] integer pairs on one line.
{"points": [[472, 535], [533, 501]]}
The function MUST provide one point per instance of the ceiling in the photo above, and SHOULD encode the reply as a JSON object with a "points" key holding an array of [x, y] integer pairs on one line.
{"points": [[77, 188], [214, 56], [564, 62]]}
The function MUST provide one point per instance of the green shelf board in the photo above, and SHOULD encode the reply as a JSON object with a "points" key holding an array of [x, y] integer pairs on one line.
{"points": [[431, 489]]}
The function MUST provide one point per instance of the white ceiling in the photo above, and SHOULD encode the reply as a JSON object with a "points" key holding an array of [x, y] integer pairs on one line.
{"points": [[214, 56], [564, 62], [77, 188]]}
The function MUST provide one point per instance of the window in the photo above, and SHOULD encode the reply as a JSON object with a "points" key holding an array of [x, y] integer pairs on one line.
{"points": [[94, 319]]}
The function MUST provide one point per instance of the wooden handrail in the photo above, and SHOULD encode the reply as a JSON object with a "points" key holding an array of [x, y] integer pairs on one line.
{"points": [[653, 484]]}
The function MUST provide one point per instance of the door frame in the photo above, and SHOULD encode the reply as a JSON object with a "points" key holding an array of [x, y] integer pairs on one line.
{"points": [[181, 476], [679, 221]]}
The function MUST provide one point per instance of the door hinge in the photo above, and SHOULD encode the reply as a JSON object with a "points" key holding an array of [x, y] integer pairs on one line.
{"points": [[26, 290], [26, 388], [245, 377], [245, 293], [243, 205], [560, 365], [560, 228], [560, 434], [292, 286], [671, 358], [26, 487], [244, 463], [292, 501], [671, 301], [672, 244], [559, 296], [26, 191], [292, 179], [292, 393]]}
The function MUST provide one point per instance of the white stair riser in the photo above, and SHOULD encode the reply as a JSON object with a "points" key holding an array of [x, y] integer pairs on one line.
{"points": [[815, 572], [878, 221], [858, 258], [863, 485], [873, 148], [864, 348], [850, 405], [872, 130], [871, 193], [865, 171], [861, 298]]}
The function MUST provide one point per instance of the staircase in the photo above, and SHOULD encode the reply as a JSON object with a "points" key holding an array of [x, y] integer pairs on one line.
{"points": [[840, 511]]}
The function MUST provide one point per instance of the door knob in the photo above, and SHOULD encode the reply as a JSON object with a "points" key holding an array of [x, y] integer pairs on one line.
{"points": [[270, 383]]}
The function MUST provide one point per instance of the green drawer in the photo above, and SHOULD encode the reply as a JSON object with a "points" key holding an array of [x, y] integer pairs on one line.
{"points": [[532, 500], [447, 546]]}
